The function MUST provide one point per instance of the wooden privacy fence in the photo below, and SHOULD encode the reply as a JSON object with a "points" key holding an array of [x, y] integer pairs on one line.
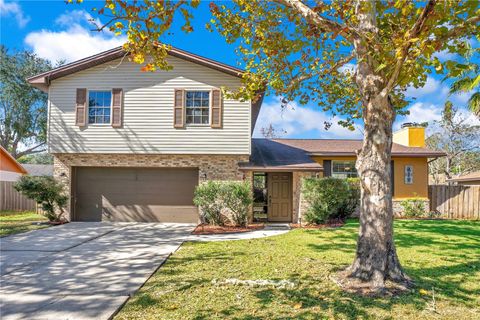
{"points": [[11, 199], [455, 202]]}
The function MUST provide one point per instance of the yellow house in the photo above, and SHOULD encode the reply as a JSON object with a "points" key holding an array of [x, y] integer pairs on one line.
{"points": [[409, 161], [278, 166]]}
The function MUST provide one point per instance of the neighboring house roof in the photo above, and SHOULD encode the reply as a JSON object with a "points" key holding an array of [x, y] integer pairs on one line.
{"points": [[276, 156], [473, 176], [294, 154], [9, 163], [39, 169], [348, 147], [42, 81]]}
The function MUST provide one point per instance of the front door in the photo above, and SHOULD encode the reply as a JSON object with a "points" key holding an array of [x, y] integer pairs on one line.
{"points": [[280, 197]]}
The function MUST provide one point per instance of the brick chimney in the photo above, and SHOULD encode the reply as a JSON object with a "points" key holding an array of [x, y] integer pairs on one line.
{"points": [[411, 134]]}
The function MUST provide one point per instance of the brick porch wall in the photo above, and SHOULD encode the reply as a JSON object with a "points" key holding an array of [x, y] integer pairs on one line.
{"points": [[299, 204], [213, 167]]}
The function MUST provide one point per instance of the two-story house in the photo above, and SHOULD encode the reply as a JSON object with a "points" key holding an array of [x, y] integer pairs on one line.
{"points": [[132, 145]]}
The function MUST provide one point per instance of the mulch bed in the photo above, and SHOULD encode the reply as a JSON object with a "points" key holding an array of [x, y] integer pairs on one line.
{"points": [[330, 224], [209, 229]]}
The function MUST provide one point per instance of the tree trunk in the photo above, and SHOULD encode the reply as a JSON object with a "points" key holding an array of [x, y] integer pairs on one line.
{"points": [[376, 258]]}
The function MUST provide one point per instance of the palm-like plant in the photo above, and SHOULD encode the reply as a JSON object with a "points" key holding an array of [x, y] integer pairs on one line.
{"points": [[467, 79]]}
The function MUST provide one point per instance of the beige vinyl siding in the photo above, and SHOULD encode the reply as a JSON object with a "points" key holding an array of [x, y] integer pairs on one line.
{"points": [[147, 112]]}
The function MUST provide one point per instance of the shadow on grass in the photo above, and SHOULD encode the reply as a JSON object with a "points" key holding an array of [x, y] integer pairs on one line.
{"points": [[455, 242], [7, 229]]}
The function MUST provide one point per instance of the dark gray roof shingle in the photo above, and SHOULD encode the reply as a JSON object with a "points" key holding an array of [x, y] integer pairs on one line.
{"points": [[39, 169], [272, 155]]}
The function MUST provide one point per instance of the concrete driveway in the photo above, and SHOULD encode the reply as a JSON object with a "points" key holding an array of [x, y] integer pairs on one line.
{"points": [[81, 270]]}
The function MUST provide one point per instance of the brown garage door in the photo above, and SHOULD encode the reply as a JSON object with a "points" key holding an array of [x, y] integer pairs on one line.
{"points": [[134, 194]]}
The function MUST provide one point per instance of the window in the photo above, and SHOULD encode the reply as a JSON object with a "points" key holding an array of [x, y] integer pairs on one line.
{"points": [[344, 169], [99, 105], [260, 206], [197, 106], [408, 174]]}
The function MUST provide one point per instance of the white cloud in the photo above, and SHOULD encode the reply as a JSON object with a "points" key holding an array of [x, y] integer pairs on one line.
{"points": [[445, 55], [76, 41], [297, 120], [13, 8], [431, 85], [421, 112], [461, 97], [469, 117], [348, 67]]}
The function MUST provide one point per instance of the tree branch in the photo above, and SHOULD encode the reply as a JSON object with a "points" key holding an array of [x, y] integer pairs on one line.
{"points": [[456, 31], [298, 79], [313, 18], [414, 32], [30, 151]]}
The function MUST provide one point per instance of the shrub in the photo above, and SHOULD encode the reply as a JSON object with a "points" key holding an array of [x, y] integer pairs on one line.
{"points": [[207, 199], [413, 207], [329, 198], [221, 201], [353, 200], [47, 192]]}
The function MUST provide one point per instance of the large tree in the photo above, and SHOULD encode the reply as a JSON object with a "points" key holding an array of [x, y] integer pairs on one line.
{"points": [[296, 49], [23, 109], [459, 138]]}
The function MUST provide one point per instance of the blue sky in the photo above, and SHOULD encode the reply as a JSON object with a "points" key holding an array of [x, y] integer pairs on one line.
{"points": [[57, 31]]}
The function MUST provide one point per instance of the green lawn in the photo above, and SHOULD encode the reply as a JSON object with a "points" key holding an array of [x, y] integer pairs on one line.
{"points": [[443, 257], [15, 222]]}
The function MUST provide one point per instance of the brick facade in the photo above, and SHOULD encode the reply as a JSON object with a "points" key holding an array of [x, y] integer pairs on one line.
{"points": [[210, 167], [299, 204]]}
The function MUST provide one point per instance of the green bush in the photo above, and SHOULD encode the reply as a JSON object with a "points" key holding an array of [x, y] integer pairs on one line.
{"points": [[413, 207], [353, 200], [237, 197], [47, 192], [207, 199], [330, 198], [222, 201]]}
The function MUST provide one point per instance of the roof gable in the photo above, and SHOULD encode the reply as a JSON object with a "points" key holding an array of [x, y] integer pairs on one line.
{"points": [[9, 162], [42, 81]]}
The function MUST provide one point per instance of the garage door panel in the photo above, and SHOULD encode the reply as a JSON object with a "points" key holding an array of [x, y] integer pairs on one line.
{"points": [[131, 213], [144, 198], [107, 174], [135, 194]]}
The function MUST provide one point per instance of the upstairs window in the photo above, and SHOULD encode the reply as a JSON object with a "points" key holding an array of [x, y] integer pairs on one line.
{"points": [[99, 106], [344, 169], [197, 106]]}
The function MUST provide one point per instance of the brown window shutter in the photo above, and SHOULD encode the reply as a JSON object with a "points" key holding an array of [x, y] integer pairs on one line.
{"points": [[216, 109], [81, 108], [117, 106], [178, 112]]}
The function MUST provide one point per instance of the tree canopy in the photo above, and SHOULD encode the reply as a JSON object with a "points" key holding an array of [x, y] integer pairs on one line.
{"points": [[23, 109], [300, 51]]}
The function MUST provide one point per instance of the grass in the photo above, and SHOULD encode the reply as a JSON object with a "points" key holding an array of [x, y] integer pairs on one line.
{"points": [[12, 222], [443, 257]]}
